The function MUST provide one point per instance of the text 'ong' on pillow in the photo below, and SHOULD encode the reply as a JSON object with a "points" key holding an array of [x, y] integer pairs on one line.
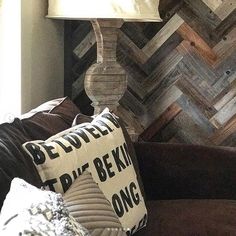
{"points": [[100, 148]]}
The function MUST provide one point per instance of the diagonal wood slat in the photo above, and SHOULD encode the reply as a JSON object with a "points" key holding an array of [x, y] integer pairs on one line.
{"points": [[181, 72]]}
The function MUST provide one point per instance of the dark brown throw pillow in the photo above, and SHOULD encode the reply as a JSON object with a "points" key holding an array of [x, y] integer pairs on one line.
{"points": [[40, 123], [49, 118]]}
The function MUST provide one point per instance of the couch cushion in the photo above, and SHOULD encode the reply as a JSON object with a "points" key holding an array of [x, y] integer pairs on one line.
{"points": [[49, 118], [40, 123], [187, 171], [13, 161], [190, 217]]}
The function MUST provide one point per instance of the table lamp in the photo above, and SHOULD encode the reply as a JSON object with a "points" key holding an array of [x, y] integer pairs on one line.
{"points": [[105, 81]]}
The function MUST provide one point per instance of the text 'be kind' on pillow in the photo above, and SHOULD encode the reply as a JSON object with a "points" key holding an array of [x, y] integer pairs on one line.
{"points": [[100, 148]]}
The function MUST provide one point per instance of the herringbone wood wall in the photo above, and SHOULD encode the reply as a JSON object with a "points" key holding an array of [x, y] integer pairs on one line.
{"points": [[181, 73]]}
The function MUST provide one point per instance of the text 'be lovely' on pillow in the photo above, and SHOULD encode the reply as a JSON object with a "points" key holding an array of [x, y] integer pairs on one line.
{"points": [[100, 148]]}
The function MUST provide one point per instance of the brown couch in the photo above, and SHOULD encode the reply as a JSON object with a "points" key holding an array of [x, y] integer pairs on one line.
{"points": [[190, 189]]}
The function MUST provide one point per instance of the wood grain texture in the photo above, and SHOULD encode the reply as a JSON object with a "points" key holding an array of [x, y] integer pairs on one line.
{"points": [[181, 72], [225, 8], [213, 4]]}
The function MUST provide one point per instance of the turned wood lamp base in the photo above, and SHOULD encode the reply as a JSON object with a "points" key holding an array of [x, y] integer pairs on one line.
{"points": [[106, 81]]}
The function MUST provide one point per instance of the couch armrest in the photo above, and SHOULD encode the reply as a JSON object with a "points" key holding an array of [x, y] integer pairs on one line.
{"points": [[180, 171]]}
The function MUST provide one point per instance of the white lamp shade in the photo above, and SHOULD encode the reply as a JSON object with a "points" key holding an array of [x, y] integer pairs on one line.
{"points": [[132, 10]]}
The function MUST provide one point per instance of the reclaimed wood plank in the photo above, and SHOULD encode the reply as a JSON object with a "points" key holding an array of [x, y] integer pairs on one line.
{"points": [[156, 42], [197, 98], [86, 44], [228, 95], [226, 73], [223, 93], [225, 8], [227, 25], [136, 88], [168, 132], [134, 51], [167, 82], [135, 33], [184, 48], [170, 113], [225, 47], [202, 11], [224, 114], [155, 109], [130, 102], [161, 53], [197, 42], [78, 86], [83, 64], [133, 69], [81, 29], [224, 132], [213, 4], [200, 68], [167, 10], [198, 24], [229, 141], [184, 130], [195, 114], [161, 71]]}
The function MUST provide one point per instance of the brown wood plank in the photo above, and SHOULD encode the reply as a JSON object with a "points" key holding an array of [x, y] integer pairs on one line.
{"points": [[197, 42], [203, 12], [225, 113], [223, 133], [198, 24], [156, 108], [170, 113], [201, 102], [135, 52]]}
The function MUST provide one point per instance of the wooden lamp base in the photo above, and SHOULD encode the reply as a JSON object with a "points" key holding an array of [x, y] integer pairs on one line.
{"points": [[106, 81]]}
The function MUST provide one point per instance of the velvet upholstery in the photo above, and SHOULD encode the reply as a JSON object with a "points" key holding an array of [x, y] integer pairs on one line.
{"points": [[190, 217], [44, 121], [182, 171]]}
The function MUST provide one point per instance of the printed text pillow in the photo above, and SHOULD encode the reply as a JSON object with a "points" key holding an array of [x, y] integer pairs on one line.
{"points": [[100, 148]]}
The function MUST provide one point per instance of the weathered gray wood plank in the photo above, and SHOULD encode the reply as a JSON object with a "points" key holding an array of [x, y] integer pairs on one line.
{"points": [[225, 113], [171, 26], [195, 114]]}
